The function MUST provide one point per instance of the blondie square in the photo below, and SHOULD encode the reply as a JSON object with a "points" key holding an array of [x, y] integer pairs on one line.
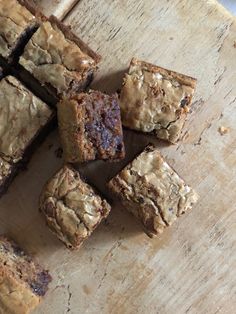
{"points": [[24, 120], [152, 191], [155, 100], [59, 60], [71, 207]]}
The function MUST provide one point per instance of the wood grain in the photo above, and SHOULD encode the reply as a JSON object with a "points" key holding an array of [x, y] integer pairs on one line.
{"points": [[59, 8], [191, 268]]}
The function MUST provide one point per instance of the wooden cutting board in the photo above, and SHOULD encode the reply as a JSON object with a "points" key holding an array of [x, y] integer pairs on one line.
{"points": [[191, 268]]}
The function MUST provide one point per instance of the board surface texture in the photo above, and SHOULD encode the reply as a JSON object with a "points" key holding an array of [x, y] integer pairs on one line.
{"points": [[191, 267]]}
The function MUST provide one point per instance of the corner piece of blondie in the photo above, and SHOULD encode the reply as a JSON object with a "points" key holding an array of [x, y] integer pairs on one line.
{"points": [[58, 59], [152, 191], [71, 207], [22, 281], [155, 100]]}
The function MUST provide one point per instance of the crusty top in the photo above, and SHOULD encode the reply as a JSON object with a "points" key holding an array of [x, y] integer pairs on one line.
{"points": [[90, 127], [156, 100], [54, 59], [153, 191], [21, 116], [14, 19], [71, 207]]}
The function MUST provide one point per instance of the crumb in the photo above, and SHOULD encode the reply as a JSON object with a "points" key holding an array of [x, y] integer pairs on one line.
{"points": [[235, 44], [58, 152], [223, 130]]}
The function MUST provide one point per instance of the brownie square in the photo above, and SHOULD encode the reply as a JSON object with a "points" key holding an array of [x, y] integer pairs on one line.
{"points": [[58, 59], [152, 191], [155, 100], [17, 23], [23, 282], [71, 207], [24, 120], [90, 127]]}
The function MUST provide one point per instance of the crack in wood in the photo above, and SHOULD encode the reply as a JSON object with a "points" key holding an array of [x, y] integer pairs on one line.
{"points": [[69, 299]]}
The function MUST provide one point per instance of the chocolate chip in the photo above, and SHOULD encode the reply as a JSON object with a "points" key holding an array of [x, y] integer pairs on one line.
{"points": [[141, 199], [184, 102]]}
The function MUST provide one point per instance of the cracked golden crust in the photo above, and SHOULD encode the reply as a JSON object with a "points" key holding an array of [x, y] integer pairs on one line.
{"points": [[22, 282], [155, 100], [22, 115], [152, 191], [61, 67], [71, 207], [13, 24]]}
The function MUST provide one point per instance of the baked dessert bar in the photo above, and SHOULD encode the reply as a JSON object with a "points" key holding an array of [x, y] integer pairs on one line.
{"points": [[22, 281], [71, 207], [24, 120], [90, 127], [152, 191], [58, 59], [155, 100], [17, 24]]}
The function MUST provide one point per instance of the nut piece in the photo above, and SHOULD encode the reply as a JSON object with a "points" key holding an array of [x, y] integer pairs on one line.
{"points": [[90, 127], [152, 191], [22, 281], [71, 207], [155, 100], [223, 130]]}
